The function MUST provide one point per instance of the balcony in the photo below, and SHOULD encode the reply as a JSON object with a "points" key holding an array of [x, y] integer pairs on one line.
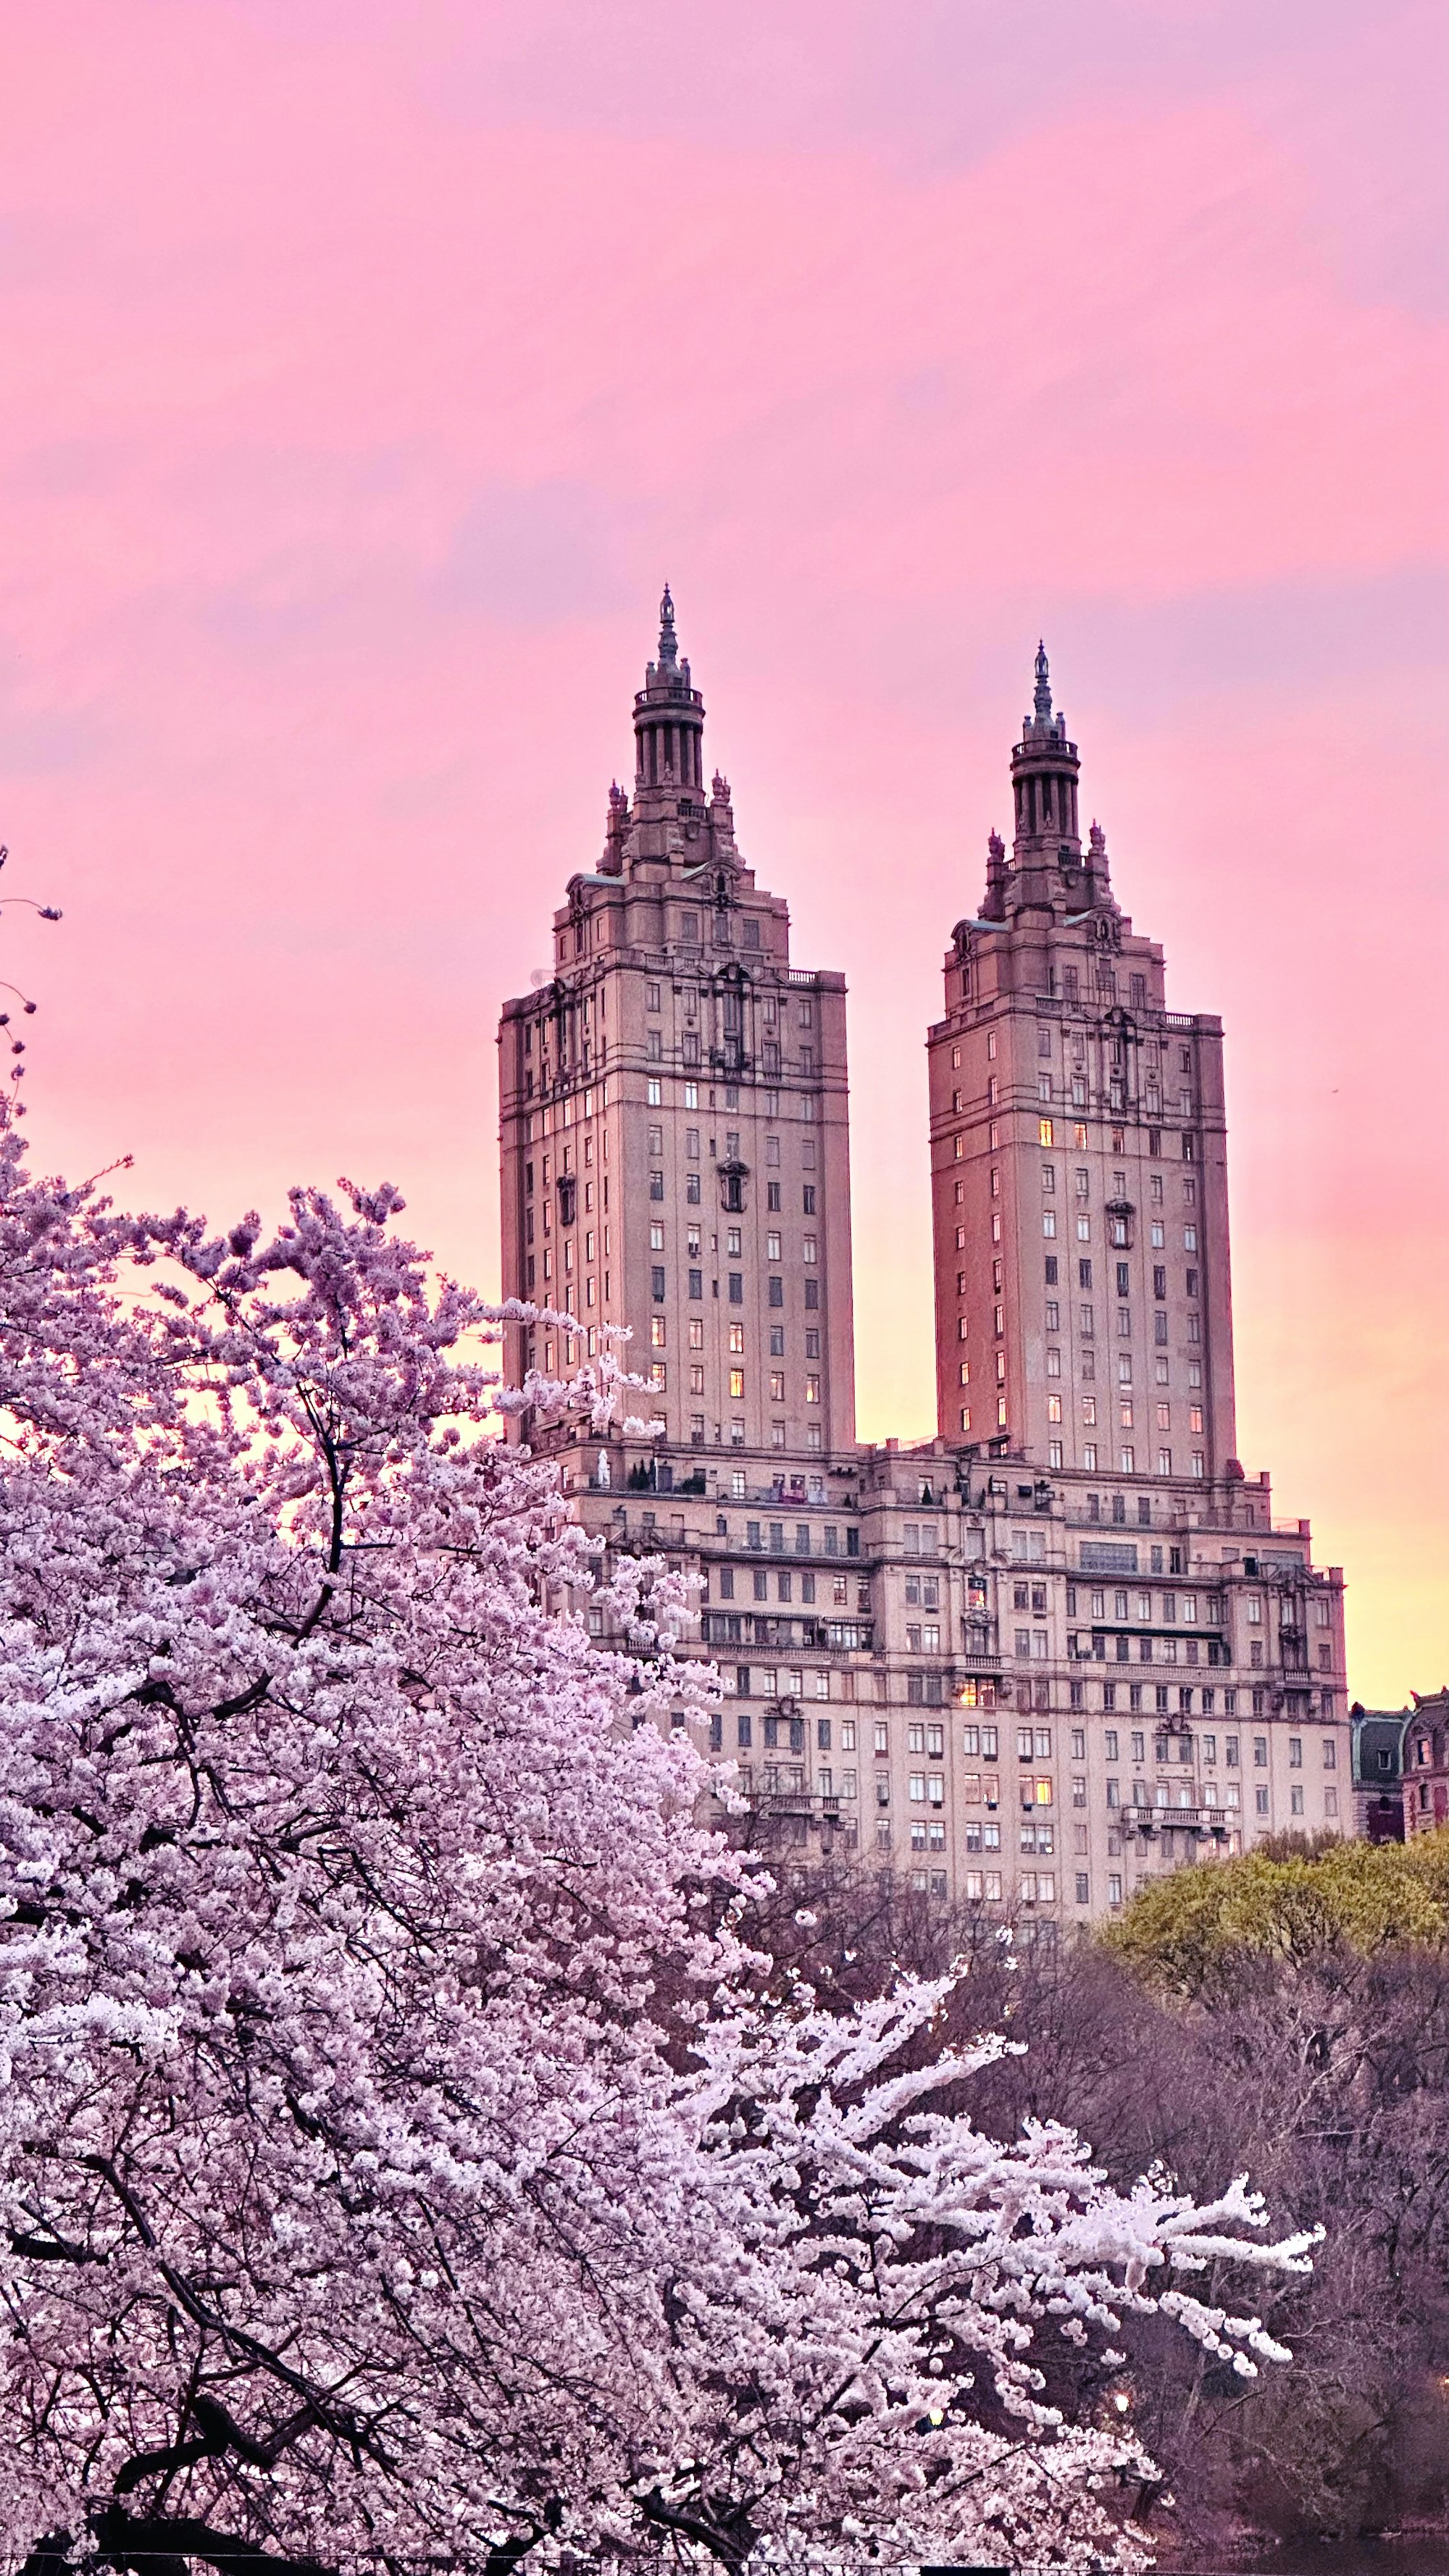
{"points": [[1216, 1822], [1216, 1650], [739, 1628], [800, 1802], [976, 1656]]}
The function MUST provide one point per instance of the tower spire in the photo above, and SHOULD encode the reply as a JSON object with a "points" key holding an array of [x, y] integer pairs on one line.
{"points": [[668, 726], [1043, 683]]}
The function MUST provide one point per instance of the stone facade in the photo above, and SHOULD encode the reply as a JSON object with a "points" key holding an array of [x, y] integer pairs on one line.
{"points": [[1425, 1761], [1063, 1645], [1378, 1773]]}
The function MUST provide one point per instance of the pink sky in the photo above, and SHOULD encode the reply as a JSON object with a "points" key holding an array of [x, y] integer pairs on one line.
{"points": [[365, 369]]}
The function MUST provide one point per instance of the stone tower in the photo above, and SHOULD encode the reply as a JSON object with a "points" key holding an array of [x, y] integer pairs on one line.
{"points": [[1079, 1167], [674, 1128]]}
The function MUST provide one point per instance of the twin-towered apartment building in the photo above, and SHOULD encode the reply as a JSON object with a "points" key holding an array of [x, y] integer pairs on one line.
{"points": [[1063, 1645]]}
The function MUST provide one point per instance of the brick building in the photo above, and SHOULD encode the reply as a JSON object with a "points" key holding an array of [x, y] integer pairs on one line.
{"points": [[1063, 1645]]}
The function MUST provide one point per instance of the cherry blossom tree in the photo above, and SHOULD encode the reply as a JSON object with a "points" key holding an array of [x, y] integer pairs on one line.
{"points": [[398, 2172]]}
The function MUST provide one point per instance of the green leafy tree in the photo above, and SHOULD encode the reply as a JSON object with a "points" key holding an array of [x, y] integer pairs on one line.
{"points": [[1203, 1928]]}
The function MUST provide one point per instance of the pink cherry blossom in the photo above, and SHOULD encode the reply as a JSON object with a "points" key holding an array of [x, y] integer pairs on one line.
{"points": [[396, 2173]]}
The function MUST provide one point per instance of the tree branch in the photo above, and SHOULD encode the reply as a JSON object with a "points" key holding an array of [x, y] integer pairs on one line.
{"points": [[161, 2547]]}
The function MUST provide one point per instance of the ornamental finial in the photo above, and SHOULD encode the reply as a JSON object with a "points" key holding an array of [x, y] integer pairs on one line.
{"points": [[668, 640], [1043, 686]]}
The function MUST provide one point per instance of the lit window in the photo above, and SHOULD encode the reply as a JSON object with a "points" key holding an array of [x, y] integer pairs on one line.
{"points": [[1054, 1408], [737, 1337], [812, 1390], [657, 1330], [1194, 1417], [737, 1381], [658, 1375], [1045, 1130]]}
